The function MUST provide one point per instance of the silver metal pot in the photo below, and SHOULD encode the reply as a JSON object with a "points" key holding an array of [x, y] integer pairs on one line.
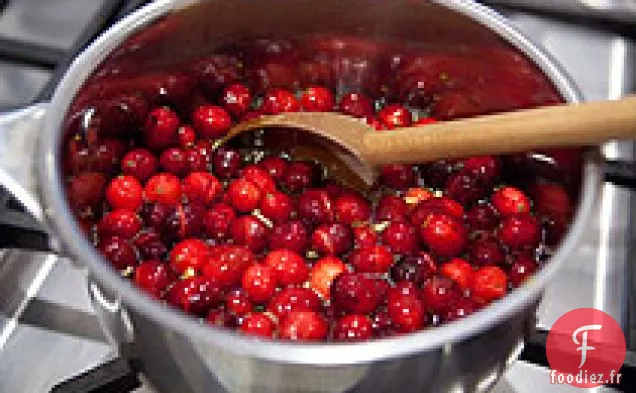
{"points": [[179, 354]]}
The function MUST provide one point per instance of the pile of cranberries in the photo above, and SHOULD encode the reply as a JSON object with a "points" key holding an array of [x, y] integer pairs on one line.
{"points": [[273, 246]]}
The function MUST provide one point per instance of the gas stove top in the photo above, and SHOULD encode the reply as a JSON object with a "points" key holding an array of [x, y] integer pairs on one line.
{"points": [[48, 331]]}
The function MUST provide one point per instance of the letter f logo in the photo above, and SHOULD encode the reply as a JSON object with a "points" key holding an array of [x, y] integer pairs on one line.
{"points": [[584, 347]]}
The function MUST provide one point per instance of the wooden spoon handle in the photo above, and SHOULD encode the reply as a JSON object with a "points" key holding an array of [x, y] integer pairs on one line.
{"points": [[556, 126]]}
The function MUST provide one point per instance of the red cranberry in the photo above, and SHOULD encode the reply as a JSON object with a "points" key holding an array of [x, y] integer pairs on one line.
{"points": [[211, 121], [353, 328], [238, 303], [163, 188], [522, 268], [236, 99], [520, 231], [444, 235], [278, 101], [294, 299], [155, 214], [258, 324], [489, 283], [324, 273], [486, 251], [391, 208], [201, 187], [121, 222], [184, 221], [351, 208], [332, 239], [400, 237], [382, 324], [374, 259], [259, 177], [150, 246], [406, 312], [196, 159], [421, 213], [189, 254], [226, 162], [425, 120], [276, 206], [398, 176], [482, 217], [334, 189], [458, 270], [315, 206], [140, 163], [356, 105], [160, 130], [86, 190], [291, 235], [290, 268], [218, 221], [439, 292], [552, 201], [244, 195], [484, 168], [186, 136], [375, 123], [299, 175], [358, 293], [259, 282], [414, 196], [464, 188], [226, 264], [124, 192], [402, 288], [415, 268], [107, 155], [458, 309], [304, 326], [173, 160], [195, 295], [510, 200], [275, 166], [221, 318], [317, 99], [153, 277], [118, 252], [251, 232], [395, 116], [364, 236]]}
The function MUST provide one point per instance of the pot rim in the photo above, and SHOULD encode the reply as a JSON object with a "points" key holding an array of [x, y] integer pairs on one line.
{"points": [[62, 223]]}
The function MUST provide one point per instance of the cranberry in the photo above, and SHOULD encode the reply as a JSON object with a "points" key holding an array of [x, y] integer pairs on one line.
{"points": [[275, 166], [278, 101], [489, 283], [218, 221], [374, 259], [375, 123], [510, 200], [357, 292], [304, 326], [395, 116], [444, 235], [324, 273], [86, 190], [121, 222], [195, 295], [220, 318], [406, 312], [382, 324], [294, 299], [290, 268], [196, 159], [259, 177], [520, 231], [244, 195], [186, 136], [226, 264], [258, 324], [439, 292], [416, 195], [315, 206], [211, 121], [356, 105], [482, 217], [140, 163], [226, 162], [351, 208], [353, 328], [398, 176], [400, 237], [118, 252], [332, 239], [153, 277], [259, 282], [163, 188], [334, 189], [425, 120], [236, 99], [201, 187], [458, 270], [364, 236], [150, 246], [299, 175], [484, 168], [415, 268], [107, 155], [189, 254], [155, 214], [238, 303], [522, 268], [464, 188], [486, 251], [459, 309], [317, 99], [173, 160], [276, 206], [421, 213], [184, 221], [291, 235], [124, 192], [160, 130], [552, 201], [251, 232]]}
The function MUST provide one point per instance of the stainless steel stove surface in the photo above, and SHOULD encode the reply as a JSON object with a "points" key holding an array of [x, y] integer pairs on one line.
{"points": [[48, 332]]}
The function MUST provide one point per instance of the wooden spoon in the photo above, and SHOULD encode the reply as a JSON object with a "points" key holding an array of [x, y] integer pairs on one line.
{"points": [[361, 149]]}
